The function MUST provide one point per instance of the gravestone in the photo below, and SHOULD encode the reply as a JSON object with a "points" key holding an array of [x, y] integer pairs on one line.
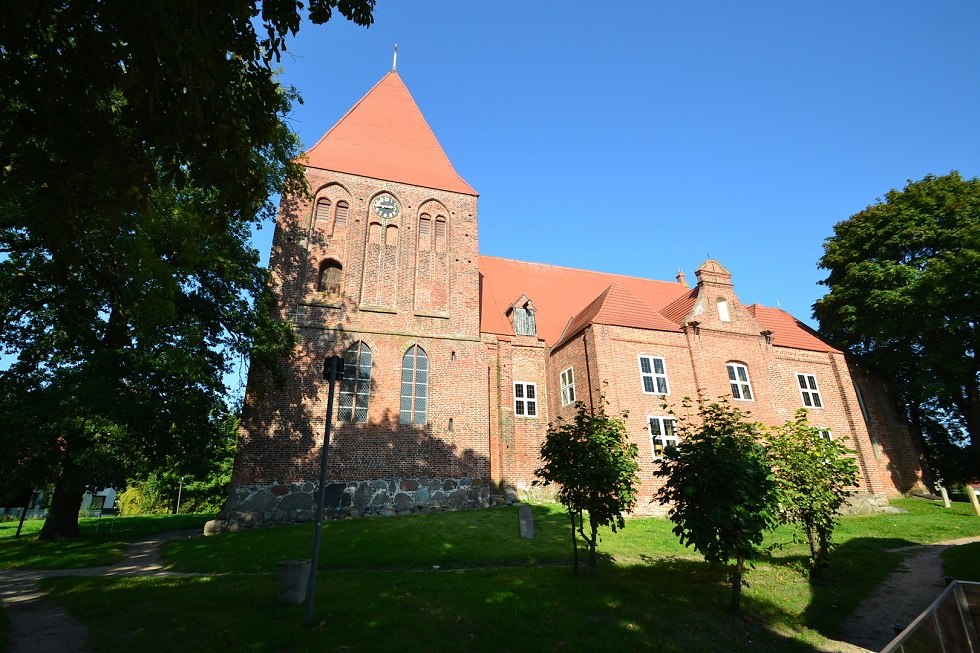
{"points": [[526, 521]]}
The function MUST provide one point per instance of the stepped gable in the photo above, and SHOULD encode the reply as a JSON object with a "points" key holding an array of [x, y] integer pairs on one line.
{"points": [[560, 294], [385, 136], [787, 331]]}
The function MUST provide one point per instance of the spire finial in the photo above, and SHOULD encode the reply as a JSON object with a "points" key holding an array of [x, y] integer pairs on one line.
{"points": [[394, 61]]}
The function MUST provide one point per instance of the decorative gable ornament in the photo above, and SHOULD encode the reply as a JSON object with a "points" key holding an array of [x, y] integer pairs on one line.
{"points": [[521, 314]]}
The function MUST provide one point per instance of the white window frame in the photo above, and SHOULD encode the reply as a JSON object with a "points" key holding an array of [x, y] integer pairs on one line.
{"points": [[653, 375], [668, 435], [826, 433], [740, 387], [724, 314], [567, 382], [525, 406], [809, 390]]}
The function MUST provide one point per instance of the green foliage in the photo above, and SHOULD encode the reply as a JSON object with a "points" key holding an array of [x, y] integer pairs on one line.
{"points": [[814, 475], [595, 467], [720, 486], [139, 145], [144, 497], [904, 298]]}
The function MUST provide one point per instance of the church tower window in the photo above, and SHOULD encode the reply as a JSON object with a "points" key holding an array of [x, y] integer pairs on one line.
{"points": [[415, 384], [330, 276], [342, 211], [322, 212], [355, 388]]}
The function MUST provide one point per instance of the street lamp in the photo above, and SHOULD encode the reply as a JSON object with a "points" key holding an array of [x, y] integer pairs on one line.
{"points": [[333, 371]]}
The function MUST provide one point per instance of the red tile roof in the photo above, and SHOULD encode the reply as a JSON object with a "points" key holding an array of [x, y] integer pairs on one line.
{"points": [[787, 331], [617, 306], [561, 293], [385, 136], [567, 300]]}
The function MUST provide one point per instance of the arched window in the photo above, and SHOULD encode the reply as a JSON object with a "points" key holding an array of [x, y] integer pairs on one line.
{"points": [[425, 232], [723, 313], [342, 211], [329, 278], [355, 388], [322, 209], [441, 234], [415, 386]]}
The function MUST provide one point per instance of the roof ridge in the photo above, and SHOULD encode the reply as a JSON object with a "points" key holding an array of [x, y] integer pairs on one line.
{"points": [[566, 267]]}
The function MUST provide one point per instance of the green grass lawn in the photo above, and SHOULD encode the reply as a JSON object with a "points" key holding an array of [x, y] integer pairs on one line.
{"points": [[93, 549], [466, 581]]}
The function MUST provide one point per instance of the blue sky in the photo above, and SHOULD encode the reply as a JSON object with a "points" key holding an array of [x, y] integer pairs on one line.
{"points": [[643, 137]]}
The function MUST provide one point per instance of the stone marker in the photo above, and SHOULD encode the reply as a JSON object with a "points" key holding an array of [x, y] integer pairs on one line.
{"points": [[945, 496], [294, 575], [526, 521]]}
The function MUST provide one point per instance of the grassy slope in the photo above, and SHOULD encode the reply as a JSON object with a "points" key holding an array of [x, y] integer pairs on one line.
{"points": [[378, 589]]}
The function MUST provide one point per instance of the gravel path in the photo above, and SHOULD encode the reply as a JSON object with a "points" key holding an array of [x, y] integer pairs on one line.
{"points": [[906, 592], [40, 626]]}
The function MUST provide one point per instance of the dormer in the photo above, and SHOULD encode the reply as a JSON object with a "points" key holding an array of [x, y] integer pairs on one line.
{"points": [[521, 314]]}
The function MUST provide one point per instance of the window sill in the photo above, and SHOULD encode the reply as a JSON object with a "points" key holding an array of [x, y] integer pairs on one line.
{"points": [[376, 309], [440, 314]]}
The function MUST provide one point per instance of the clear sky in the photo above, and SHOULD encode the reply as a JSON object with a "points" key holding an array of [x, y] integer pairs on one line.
{"points": [[643, 137]]}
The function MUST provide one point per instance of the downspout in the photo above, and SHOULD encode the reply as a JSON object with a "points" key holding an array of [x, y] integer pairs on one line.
{"points": [[588, 368]]}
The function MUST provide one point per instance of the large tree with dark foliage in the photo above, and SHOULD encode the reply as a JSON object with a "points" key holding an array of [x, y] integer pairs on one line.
{"points": [[139, 144], [904, 299]]}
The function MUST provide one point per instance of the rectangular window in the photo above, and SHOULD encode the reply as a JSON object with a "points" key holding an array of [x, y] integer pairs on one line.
{"points": [[567, 387], [662, 435], [738, 377], [653, 372], [525, 399], [809, 391], [826, 435]]}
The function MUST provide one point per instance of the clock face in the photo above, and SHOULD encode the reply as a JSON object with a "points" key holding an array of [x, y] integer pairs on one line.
{"points": [[386, 206]]}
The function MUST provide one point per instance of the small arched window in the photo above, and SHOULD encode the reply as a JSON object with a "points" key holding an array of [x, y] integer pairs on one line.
{"points": [[330, 277], [322, 211], [355, 387], [440, 234], [723, 313], [738, 378], [425, 232], [342, 211], [415, 387]]}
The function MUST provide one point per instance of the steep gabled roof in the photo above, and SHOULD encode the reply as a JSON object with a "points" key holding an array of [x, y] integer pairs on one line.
{"points": [[385, 136], [558, 293], [617, 306], [678, 309], [787, 331]]}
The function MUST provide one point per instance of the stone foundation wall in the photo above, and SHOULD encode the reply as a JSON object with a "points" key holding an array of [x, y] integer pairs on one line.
{"points": [[293, 503]]}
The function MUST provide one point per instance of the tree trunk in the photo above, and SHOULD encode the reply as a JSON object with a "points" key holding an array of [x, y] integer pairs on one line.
{"points": [[592, 545], [62, 520], [737, 583], [571, 515]]}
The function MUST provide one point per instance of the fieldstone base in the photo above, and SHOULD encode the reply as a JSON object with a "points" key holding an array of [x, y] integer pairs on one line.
{"points": [[295, 503]]}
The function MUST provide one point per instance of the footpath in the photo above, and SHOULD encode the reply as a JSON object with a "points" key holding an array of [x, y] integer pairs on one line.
{"points": [[40, 626]]}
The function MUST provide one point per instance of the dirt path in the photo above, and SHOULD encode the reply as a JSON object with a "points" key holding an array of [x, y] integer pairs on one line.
{"points": [[40, 626], [906, 592]]}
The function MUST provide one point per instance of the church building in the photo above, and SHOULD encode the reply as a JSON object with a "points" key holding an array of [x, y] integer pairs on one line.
{"points": [[456, 362]]}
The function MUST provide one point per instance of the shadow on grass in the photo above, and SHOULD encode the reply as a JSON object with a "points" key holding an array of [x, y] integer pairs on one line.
{"points": [[674, 605]]}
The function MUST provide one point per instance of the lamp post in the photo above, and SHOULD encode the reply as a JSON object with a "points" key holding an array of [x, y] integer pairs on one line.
{"points": [[333, 371]]}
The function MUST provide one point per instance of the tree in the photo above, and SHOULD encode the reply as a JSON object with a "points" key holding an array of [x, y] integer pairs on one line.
{"points": [[814, 475], [139, 144], [904, 299], [595, 467], [719, 486]]}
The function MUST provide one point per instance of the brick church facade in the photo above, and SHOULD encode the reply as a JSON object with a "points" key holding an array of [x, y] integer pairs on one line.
{"points": [[455, 363]]}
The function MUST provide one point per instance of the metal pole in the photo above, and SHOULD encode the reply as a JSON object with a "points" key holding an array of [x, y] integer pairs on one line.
{"points": [[332, 373], [180, 488]]}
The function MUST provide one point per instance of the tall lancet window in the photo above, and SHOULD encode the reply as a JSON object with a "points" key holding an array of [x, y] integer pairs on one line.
{"points": [[355, 388], [415, 386]]}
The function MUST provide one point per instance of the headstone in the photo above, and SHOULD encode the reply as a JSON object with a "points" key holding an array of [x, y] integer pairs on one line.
{"points": [[945, 495], [971, 493], [526, 520]]}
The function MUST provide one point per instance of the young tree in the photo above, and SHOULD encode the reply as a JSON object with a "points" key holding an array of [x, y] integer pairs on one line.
{"points": [[595, 466], [720, 487], [904, 299], [139, 145], [814, 475]]}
